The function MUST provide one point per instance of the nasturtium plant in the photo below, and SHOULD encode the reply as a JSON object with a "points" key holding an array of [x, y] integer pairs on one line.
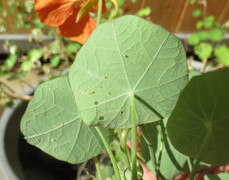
{"points": [[198, 125], [53, 123], [125, 57]]}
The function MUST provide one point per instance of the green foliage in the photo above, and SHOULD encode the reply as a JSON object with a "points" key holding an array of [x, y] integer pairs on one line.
{"points": [[72, 47], [144, 12], [10, 61], [52, 123], [35, 54], [196, 13], [55, 61], [209, 21], [172, 161], [108, 173], [216, 35], [199, 123], [203, 50], [222, 55], [220, 176], [26, 65], [193, 40], [149, 63], [199, 24], [203, 35]]}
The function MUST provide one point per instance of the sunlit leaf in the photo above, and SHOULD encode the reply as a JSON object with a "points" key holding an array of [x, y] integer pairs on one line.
{"points": [[52, 123], [129, 55]]}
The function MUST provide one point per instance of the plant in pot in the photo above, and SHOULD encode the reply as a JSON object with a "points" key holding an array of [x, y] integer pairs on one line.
{"points": [[132, 74]]}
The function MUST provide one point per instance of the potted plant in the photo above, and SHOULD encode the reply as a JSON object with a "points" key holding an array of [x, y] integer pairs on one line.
{"points": [[130, 76]]}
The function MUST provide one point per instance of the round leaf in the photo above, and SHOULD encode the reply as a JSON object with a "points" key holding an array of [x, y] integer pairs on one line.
{"points": [[193, 40], [222, 55], [53, 124], [196, 13], [201, 111], [129, 55], [216, 35], [203, 50]]}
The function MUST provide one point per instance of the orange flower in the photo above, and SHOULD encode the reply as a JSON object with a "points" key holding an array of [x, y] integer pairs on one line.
{"points": [[71, 16]]}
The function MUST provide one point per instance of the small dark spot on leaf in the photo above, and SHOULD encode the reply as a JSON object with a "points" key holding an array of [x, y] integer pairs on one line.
{"points": [[96, 102], [124, 55], [104, 77], [101, 118], [122, 112], [109, 93]]}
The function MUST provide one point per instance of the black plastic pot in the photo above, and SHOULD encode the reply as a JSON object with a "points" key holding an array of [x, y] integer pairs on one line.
{"points": [[19, 160]]}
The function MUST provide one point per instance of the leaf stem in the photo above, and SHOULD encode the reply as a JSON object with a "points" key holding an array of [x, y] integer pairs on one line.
{"points": [[114, 163], [205, 61], [197, 162], [99, 12], [98, 168], [190, 165], [123, 146], [134, 138]]}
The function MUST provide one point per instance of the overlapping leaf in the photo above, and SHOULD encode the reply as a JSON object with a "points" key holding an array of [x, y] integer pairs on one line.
{"points": [[129, 55], [201, 115], [52, 123]]}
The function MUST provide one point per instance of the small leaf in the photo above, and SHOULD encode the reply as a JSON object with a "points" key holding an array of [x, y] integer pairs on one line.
{"points": [[203, 35], [53, 124], [129, 55], [216, 35], [144, 12], [11, 60], [196, 13], [201, 114], [55, 60], [17, 75], [26, 65], [193, 40], [222, 55], [199, 24], [203, 50], [35, 54], [209, 21], [73, 47]]}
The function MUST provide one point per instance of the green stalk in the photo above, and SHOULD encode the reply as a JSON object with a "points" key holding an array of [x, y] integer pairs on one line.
{"points": [[113, 161], [98, 168], [123, 146], [99, 12], [134, 138], [197, 162], [189, 163]]}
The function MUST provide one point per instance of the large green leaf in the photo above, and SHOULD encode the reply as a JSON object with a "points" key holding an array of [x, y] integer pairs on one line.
{"points": [[129, 55], [52, 123], [172, 162], [201, 115]]}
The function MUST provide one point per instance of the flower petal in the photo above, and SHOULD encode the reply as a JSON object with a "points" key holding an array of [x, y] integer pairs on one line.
{"points": [[54, 12], [80, 31]]}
